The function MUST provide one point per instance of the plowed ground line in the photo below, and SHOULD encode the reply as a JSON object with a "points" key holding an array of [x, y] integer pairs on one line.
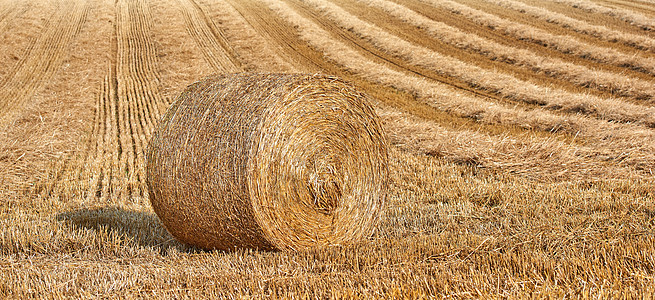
{"points": [[376, 54], [209, 38], [44, 59], [646, 8], [514, 34], [128, 103]]}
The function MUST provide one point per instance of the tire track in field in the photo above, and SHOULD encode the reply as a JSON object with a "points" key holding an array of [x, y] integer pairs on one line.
{"points": [[129, 102], [272, 30], [88, 173], [254, 52], [36, 37], [209, 38], [136, 102], [20, 59], [7, 15], [5, 11], [102, 161], [11, 14], [45, 57], [67, 104]]}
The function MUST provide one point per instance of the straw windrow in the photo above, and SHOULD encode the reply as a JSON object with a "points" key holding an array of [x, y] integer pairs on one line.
{"points": [[268, 161]]}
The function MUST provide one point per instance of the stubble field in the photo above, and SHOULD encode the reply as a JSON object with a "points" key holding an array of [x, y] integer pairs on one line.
{"points": [[522, 132]]}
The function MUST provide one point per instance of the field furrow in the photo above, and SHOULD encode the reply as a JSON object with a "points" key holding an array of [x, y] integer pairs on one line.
{"points": [[49, 127], [629, 16], [127, 109], [299, 52], [45, 58], [18, 40], [209, 38], [138, 100], [256, 53], [445, 99], [489, 80], [600, 32], [645, 7], [582, 76], [8, 14], [562, 43]]}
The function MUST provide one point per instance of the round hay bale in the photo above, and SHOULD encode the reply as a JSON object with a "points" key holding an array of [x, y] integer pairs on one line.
{"points": [[268, 161]]}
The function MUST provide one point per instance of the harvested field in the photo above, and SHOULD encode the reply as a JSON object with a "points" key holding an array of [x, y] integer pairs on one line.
{"points": [[521, 163]]}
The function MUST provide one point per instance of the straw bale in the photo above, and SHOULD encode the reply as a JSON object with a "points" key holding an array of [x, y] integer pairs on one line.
{"points": [[268, 161]]}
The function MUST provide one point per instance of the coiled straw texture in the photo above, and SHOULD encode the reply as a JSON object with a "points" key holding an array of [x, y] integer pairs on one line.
{"points": [[268, 161]]}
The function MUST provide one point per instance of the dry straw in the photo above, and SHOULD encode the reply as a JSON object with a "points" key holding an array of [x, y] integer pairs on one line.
{"points": [[268, 161]]}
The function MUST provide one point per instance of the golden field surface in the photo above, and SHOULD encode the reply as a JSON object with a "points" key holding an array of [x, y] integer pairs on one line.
{"points": [[522, 145]]}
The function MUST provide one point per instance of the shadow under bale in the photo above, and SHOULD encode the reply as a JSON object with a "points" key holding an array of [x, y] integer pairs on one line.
{"points": [[143, 228]]}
